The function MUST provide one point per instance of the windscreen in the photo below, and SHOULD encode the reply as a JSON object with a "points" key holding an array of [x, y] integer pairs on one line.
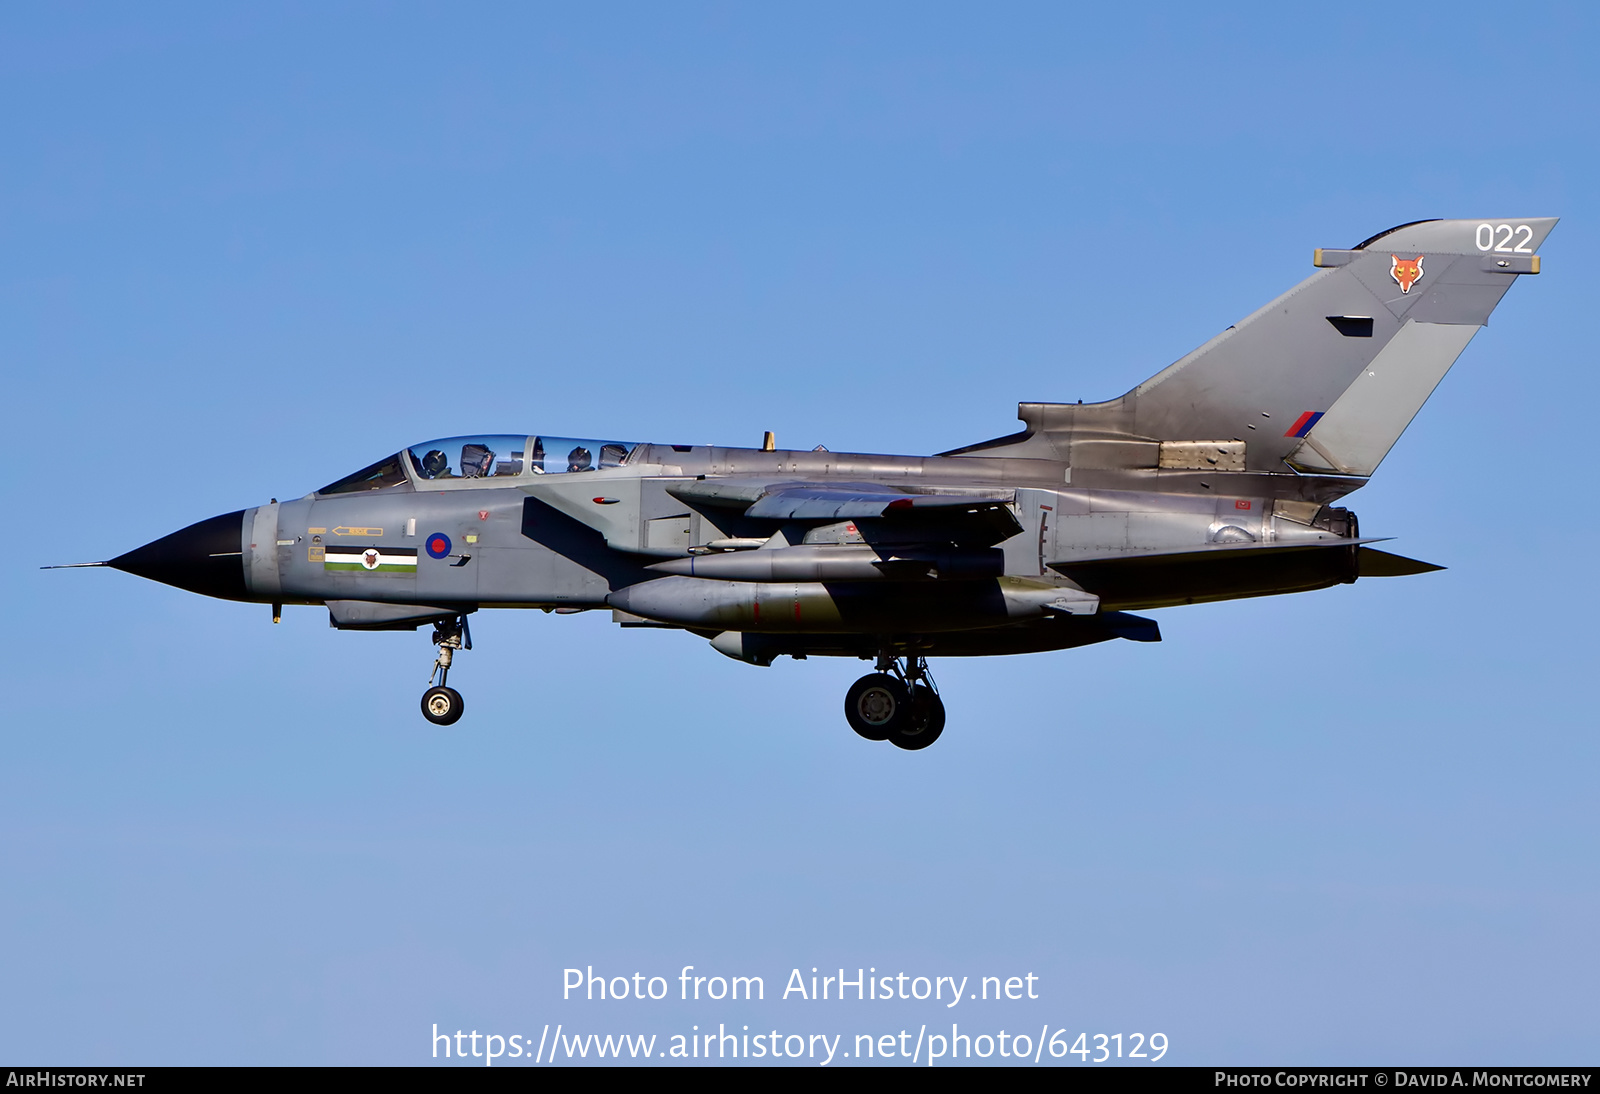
{"points": [[384, 473]]}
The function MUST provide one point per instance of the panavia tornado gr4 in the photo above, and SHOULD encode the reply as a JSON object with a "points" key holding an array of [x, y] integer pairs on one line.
{"points": [[1214, 479]]}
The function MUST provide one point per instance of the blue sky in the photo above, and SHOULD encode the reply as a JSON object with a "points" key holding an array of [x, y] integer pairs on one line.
{"points": [[249, 250]]}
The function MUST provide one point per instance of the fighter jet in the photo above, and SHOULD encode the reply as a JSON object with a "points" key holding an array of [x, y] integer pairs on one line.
{"points": [[1212, 480]]}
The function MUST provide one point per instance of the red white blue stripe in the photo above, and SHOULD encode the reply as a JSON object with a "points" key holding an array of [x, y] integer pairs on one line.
{"points": [[1304, 423]]}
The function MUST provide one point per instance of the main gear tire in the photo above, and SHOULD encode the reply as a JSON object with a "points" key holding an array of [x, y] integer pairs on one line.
{"points": [[876, 705], [442, 706], [923, 721]]}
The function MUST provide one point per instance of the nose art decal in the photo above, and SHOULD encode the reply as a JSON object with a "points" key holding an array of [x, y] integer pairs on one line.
{"points": [[1405, 271]]}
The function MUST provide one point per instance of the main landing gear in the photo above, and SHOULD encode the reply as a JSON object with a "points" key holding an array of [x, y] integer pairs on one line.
{"points": [[442, 705], [898, 704]]}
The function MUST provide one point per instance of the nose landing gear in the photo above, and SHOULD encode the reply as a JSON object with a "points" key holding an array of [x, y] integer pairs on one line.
{"points": [[443, 705], [898, 703]]}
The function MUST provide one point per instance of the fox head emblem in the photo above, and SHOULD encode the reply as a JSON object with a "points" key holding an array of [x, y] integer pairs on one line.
{"points": [[1405, 271]]}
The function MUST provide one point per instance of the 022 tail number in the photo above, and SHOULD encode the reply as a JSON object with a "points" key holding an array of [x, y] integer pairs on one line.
{"points": [[1490, 239]]}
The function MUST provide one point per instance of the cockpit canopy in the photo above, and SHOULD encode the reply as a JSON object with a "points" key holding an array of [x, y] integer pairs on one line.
{"points": [[491, 456], [468, 457]]}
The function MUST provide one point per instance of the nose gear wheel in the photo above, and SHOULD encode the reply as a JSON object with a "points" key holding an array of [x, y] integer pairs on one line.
{"points": [[442, 705]]}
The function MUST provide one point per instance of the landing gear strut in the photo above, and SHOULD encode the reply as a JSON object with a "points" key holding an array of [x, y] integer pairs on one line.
{"points": [[898, 703], [442, 705]]}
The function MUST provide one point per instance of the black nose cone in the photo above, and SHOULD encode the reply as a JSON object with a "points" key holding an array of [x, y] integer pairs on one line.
{"points": [[203, 558]]}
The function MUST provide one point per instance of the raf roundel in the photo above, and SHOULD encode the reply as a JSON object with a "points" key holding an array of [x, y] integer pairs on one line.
{"points": [[438, 545]]}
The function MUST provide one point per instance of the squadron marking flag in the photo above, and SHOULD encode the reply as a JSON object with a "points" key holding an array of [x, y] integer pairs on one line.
{"points": [[383, 560]]}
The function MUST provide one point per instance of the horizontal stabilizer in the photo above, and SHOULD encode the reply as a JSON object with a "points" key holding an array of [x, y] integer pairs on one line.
{"points": [[1371, 563], [1158, 579], [1212, 552]]}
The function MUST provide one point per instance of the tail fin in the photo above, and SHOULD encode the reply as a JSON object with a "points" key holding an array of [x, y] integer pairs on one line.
{"points": [[1326, 377]]}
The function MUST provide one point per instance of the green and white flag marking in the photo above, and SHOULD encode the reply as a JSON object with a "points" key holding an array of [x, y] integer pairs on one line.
{"points": [[383, 560]]}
